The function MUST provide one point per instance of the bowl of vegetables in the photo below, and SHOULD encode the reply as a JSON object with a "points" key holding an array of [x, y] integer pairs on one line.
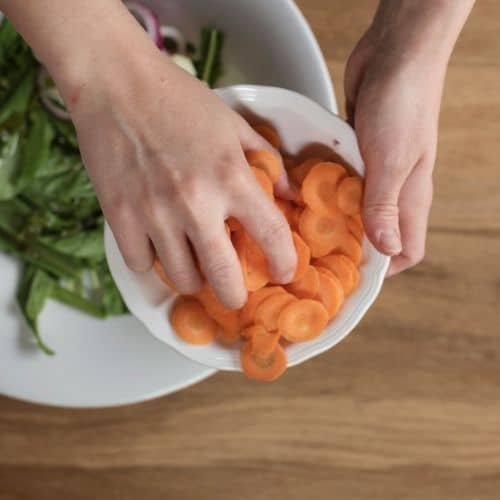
{"points": [[339, 273]]}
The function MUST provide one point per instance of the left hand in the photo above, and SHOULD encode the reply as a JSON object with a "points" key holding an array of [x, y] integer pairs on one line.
{"points": [[393, 99]]}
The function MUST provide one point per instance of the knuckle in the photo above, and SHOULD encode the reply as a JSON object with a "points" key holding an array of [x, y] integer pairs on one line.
{"points": [[152, 207], [381, 210], [136, 262], [219, 269], [185, 280], [275, 229]]}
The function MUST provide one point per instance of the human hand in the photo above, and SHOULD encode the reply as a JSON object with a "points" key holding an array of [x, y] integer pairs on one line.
{"points": [[393, 85], [166, 157]]}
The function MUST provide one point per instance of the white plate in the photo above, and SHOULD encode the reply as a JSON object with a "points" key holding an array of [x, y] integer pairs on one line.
{"points": [[300, 123], [116, 361]]}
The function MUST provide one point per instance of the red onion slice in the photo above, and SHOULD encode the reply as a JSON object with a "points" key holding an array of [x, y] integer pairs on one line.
{"points": [[148, 20], [176, 35]]}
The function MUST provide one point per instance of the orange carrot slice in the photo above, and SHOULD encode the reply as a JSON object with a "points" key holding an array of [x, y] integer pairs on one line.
{"points": [[253, 262], [302, 320], [267, 312], [160, 272], [263, 342], [350, 195], [269, 133], [191, 322], [330, 292], [227, 337], [265, 182], [263, 369], [307, 286], [303, 256], [234, 224], [287, 209], [266, 161], [355, 227], [288, 163], [350, 246], [227, 319], [319, 188], [343, 268], [322, 233], [253, 301], [299, 173]]}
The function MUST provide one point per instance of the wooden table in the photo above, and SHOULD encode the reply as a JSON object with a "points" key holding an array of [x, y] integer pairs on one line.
{"points": [[406, 408]]}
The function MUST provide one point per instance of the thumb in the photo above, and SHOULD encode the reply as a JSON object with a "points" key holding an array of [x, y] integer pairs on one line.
{"points": [[380, 209]]}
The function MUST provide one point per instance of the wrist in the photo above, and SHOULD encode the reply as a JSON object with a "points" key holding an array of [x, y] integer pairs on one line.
{"points": [[419, 29]]}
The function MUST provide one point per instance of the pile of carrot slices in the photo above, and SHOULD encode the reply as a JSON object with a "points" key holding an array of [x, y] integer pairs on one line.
{"points": [[327, 232]]}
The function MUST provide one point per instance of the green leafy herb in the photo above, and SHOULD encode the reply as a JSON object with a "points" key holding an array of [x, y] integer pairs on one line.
{"points": [[209, 63], [50, 217]]}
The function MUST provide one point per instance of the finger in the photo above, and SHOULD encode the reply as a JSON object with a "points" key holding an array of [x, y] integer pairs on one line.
{"points": [[252, 140], [384, 179], [270, 230], [220, 264], [177, 259], [414, 206], [133, 242]]}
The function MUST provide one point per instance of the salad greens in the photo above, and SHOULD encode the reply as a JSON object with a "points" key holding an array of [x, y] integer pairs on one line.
{"points": [[50, 217]]}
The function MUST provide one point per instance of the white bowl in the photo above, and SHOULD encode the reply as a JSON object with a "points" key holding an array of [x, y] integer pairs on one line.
{"points": [[303, 125], [267, 42]]}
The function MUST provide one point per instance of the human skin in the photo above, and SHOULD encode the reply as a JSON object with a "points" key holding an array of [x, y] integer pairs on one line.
{"points": [[166, 156], [393, 84]]}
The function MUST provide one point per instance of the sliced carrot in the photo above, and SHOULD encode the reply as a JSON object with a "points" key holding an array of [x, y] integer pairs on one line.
{"points": [[307, 286], [269, 133], [343, 268], [249, 331], [160, 272], [253, 262], [265, 182], [253, 301], [330, 292], [350, 195], [295, 217], [227, 337], [288, 162], [263, 342], [227, 319], [351, 247], [263, 369], [298, 174], [355, 227], [234, 224], [322, 233], [266, 161], [319, 188], [303, 257], [286, 208], [302, 320], [191, 322], [267, 312]]}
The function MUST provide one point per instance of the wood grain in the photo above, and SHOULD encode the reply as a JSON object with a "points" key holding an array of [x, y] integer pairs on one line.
{"points": [[407, 407]]}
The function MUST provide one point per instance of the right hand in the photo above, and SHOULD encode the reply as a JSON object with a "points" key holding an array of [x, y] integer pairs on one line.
{"points": [[166, 157]]}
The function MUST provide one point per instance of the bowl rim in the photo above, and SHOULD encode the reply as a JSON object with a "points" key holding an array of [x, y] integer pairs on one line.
{"points": [[373, 283]]}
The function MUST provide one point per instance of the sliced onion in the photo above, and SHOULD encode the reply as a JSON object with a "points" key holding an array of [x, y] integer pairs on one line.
{"points": [[184, 62], [50, 96], [148, 20], [173, 33]]}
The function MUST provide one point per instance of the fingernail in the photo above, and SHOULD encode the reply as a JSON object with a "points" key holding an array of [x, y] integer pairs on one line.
{"points": [[390, 242]]}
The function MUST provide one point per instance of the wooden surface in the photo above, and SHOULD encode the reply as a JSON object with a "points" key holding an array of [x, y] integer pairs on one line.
{"points": [[408, 407]]}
